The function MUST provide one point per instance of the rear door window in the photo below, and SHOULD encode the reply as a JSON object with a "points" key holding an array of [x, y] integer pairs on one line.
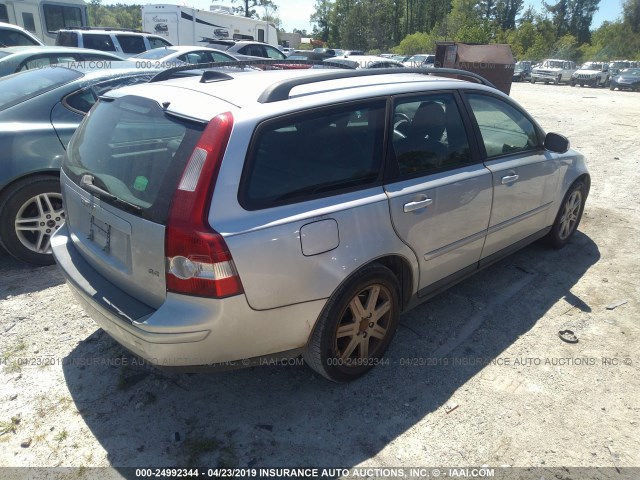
{"points": [[155, 42], [67, 39], [131, 43], [314, 154], [98, 41], [429, 135], [275, 53], [15, 38], [135, 151], [38, 61], [220, 57]]}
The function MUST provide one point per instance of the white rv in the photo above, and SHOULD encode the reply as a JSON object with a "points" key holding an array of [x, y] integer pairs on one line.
{"points": [[44, 18], [190, 26]]}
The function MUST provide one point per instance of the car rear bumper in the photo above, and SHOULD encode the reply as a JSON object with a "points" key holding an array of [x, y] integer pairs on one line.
{"points": [[185, 330]]}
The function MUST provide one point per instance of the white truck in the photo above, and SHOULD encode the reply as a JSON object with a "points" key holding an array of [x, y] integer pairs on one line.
{"points": [[594, 74], [43, 18], [190, 26], [553, 71]]}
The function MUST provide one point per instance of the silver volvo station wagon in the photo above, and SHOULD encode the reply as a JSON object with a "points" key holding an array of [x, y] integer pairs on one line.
{"points": [[246, 214]]}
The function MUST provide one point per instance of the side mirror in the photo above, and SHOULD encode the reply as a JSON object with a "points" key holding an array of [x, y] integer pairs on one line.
{"points": [[555, 142]]}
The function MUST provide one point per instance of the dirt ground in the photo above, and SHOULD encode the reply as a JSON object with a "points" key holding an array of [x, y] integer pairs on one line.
{"points": [[476, 376]]}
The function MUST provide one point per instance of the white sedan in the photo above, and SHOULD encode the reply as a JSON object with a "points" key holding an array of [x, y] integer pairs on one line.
{"points": [[165, 57], [365, 61]]}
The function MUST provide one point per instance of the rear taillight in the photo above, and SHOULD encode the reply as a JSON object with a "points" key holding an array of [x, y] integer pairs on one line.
{"points": [[198, 259]]}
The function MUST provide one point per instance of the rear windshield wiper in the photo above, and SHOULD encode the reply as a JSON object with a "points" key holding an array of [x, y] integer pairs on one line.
{"points": [[86, 182]]}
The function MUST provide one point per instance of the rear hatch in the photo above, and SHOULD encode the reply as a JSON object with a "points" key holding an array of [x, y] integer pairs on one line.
{"points": [[120, 177]]}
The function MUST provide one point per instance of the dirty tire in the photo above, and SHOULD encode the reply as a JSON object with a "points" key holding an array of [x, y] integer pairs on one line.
{"points": [[569, 216], [356, 326], [37, 205]]}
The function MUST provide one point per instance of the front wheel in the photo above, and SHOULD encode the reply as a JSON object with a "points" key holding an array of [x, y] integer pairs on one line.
{"points": [[356, 326], [30, 214], [569, 216]]}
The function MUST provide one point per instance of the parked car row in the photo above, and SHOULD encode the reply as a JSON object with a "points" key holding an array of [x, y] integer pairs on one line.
{"points": [[592, 74]]}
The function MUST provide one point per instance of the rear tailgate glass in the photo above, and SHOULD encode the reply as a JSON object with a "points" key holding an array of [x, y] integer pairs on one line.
{"points": [[135, 151]]}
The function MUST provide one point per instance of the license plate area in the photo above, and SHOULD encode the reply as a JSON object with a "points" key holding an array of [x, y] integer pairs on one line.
{"points": [[100, 234]]}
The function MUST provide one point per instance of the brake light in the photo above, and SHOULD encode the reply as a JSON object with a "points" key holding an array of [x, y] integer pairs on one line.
{"points": [[198, 260]]}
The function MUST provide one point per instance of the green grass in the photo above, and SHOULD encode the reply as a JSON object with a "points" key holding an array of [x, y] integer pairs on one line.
{"points": [[10, 426], [63, 435], [8, 358]]}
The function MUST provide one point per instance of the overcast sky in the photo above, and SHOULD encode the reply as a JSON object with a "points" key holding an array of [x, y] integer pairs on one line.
{"points": [[296, 13]]}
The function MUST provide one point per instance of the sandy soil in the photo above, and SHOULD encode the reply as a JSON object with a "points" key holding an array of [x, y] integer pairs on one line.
{"points": [[476, 376]]}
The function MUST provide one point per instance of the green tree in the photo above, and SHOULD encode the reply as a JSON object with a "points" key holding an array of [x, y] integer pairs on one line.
{"points": [[321, 19], [418, 42], [581, 16], [249, 7], [506, 12], [566, 47], [631, 14], [560, 16]]}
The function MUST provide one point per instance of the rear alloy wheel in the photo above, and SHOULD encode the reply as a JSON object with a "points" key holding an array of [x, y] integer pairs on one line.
{"points": [[569, 216], [356, 326], [31, 213]]}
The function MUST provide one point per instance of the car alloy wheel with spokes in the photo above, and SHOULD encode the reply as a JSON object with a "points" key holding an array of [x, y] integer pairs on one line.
{"points": [[569, 215], [364, 324], [38, 219], [356, 326], [31, 211]]}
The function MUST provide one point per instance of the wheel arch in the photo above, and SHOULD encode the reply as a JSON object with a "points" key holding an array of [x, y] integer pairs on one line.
{"points": [[399, 266], [53, 173], [401, 269]]}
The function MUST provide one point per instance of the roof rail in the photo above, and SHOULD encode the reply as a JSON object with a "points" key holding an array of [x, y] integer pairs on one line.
{"points": [[241, 65], [280, 90], [106, 29]]}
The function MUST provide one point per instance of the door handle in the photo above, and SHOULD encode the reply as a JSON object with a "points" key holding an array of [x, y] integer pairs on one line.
{"points": [[509, 179], [417, 205]]}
